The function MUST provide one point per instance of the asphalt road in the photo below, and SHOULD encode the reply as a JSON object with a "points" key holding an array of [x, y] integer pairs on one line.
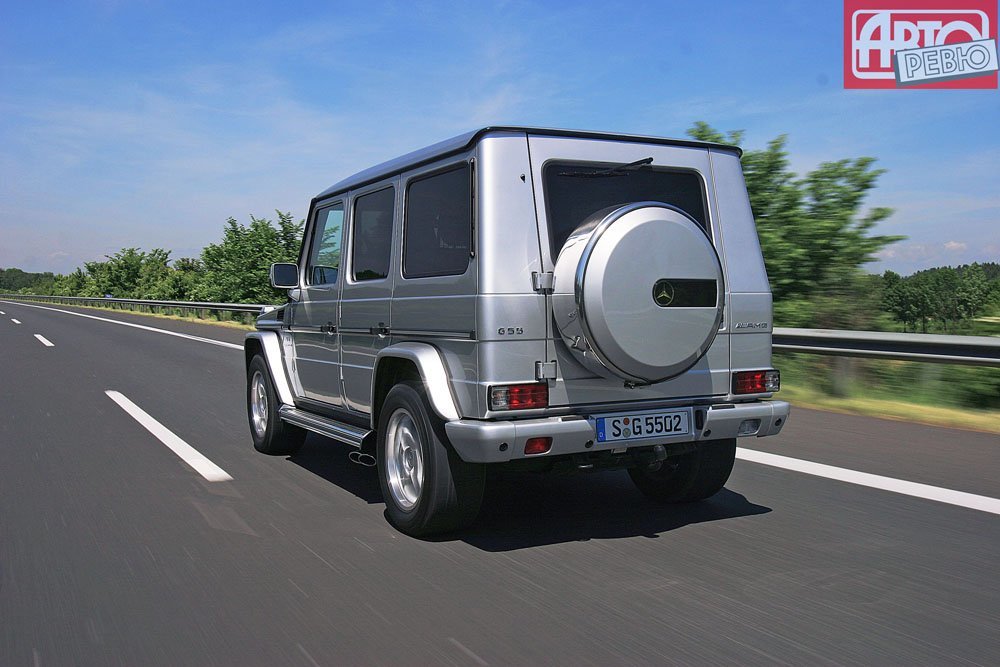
{"points": [[115, 552]]}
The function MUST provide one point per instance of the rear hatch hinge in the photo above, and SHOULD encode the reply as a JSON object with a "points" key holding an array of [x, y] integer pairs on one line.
{"points": [[543, 282], [545, 370]]}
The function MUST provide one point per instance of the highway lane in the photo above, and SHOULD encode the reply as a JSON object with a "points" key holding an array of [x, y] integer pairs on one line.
{"points": [[113, 551]]}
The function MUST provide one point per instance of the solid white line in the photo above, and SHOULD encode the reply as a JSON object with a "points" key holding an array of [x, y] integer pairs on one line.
{"points": [[45, 341], [15, 321], [188, 454], [941, 495], [211, 341]]}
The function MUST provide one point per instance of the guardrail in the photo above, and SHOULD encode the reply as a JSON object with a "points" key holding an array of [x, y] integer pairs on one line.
{"points": [[967, 350]]}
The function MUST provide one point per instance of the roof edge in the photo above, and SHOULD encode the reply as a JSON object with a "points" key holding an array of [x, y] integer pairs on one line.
{"points": [[464, 141]]}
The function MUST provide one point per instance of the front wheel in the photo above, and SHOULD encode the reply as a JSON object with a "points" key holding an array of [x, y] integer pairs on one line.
{"points": [[270, 434], [689, 477], [427, 488]]}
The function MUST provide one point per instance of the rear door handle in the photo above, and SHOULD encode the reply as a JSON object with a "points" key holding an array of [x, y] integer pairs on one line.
{"points": [[380, 330], [328, 328]]}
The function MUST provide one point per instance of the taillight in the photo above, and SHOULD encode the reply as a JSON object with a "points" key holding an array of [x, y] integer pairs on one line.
{"points": [[519, 396], [756, 382]]}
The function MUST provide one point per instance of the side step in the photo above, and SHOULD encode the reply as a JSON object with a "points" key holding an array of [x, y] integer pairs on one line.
{"points": [[331, 428]]}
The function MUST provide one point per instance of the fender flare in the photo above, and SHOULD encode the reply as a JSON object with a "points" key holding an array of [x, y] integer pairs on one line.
{"points": [[433, 372], [270, 345]]}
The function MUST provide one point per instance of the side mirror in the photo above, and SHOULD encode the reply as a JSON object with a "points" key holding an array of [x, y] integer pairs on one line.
{"points": [[284, 276]]}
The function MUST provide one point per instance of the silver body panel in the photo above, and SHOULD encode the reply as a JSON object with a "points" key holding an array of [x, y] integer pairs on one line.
{"points": [[490, 325]]}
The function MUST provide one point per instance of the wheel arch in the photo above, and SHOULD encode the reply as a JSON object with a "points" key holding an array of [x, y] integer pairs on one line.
{"points": [[413, 361], [268, 345]]}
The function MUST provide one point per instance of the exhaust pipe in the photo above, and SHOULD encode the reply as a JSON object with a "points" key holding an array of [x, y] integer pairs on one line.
{"points": [[362, 459]]}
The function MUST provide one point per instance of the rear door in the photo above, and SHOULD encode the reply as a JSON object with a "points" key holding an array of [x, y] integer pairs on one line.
{"points": [[677, 175], [367, 289]]}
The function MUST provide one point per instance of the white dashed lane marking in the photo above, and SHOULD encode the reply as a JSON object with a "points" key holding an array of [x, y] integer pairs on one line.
{"points": [[188, 454], [44, 341], [210, 341]]}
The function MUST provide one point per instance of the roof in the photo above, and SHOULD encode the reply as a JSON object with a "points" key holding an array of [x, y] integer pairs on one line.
{"points": [[464, 141]]}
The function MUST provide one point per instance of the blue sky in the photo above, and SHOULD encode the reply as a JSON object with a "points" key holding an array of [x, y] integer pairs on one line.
{"points": [[149, 123]]}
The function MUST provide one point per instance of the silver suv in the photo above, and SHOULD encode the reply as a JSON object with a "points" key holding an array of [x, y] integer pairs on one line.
{"points": [[545, 299]]}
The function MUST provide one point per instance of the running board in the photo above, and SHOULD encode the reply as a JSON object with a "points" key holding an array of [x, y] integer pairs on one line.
{"points": [[331, 428]]}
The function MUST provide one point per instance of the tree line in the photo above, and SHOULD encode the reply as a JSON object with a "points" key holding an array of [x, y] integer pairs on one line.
{"points": [[815, 233], [234, 270], [945, 295]]}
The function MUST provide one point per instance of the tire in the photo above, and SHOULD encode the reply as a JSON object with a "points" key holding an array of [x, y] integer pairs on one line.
{"points": [[427, 488], [270, 434], [690, 477]]}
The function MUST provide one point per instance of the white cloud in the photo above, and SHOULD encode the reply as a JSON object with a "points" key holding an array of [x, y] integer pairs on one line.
{"points": [[955, 246]]}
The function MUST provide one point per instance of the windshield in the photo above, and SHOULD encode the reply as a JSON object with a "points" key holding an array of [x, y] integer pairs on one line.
{"points": [[574, 191]]}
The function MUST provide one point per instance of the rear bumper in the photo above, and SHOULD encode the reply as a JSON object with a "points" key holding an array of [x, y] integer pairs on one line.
{"points": [[478, 441]]}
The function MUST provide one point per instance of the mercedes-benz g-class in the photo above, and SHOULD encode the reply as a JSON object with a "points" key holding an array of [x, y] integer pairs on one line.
{"points": [[523, 296]]}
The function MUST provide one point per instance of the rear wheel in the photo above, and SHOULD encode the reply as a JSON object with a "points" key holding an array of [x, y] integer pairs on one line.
{"points": [[693, 476], [427, 488], [270, 434]]}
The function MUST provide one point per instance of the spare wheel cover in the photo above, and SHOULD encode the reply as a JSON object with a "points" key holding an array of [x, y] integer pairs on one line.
{"points": [[649, 291]]}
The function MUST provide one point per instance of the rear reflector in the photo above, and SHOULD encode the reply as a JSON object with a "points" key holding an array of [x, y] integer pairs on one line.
{"points": [[756, 382], [519, 396], [537, 445]]}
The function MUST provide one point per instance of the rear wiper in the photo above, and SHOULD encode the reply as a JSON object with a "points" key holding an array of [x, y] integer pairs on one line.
{"points": [[619, 170]]}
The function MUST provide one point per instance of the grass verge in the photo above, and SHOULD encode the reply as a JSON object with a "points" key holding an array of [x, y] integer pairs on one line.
{"points": [[971, 420]]}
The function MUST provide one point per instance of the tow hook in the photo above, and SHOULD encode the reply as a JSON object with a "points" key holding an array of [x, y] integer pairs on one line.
{"points": [[659, 455], [362, 459]]}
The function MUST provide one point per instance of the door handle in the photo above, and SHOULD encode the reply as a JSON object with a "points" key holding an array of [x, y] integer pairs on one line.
{"points": [[329, 328], [380, 330]]}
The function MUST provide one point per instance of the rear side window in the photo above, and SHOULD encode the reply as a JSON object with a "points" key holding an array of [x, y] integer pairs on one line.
{"points": [[437, 236], [573, 193], [372, 238], [324, 258]]}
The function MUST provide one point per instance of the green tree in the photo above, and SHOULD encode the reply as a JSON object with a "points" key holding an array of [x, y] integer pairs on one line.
{"points": [[16, 280], [72, 284], [974, 291], [236, 269], [911, 300], [182, 283], [130, 273], [813, 231]]}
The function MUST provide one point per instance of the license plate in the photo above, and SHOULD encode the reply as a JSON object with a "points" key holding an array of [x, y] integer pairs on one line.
{"points": [[643, 425]]}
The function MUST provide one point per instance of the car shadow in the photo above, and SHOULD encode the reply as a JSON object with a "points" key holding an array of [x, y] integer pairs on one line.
{"points": [[328, 459], [523, 510]]}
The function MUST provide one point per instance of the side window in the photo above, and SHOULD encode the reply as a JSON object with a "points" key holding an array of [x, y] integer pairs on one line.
{"points": [[324, 257], [437, 236], [372, 238]]}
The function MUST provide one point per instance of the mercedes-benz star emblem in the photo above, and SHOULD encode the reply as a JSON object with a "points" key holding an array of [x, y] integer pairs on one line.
{"points": [[663, 292]]}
